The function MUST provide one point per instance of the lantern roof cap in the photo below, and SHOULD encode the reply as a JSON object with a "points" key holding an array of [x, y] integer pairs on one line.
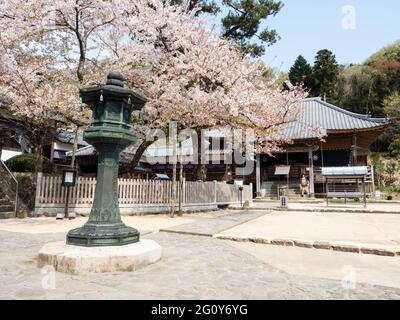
{"points": [[113, 87]]}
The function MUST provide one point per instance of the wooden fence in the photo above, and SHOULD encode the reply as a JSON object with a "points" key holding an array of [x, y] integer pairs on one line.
{"points": [[135, 193]]}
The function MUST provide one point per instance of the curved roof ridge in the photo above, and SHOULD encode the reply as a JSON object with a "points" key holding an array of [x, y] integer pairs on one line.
{"points": [[80, 150], [349, 113]]}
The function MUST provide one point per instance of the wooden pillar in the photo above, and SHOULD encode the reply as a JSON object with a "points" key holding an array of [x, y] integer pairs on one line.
{"points": [[311, 166], [258, 175], [364, 192], [354, 161], [288, 175], [327, 191]]}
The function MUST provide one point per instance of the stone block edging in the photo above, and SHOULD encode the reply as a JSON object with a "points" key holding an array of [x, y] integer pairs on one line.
{"points": [[312, 245], [319, 210], [335, 210]]}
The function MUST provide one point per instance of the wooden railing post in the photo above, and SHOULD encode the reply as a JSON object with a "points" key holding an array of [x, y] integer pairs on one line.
{"points": [[215, 191], [184, 191], [38, 188]]}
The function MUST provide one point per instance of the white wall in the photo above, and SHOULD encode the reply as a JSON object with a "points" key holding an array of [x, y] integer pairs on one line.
{"points": [[8, 154], [63, 146]]}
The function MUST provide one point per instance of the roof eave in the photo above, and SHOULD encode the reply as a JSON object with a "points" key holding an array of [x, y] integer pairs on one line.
{"points": [[355, 130]]}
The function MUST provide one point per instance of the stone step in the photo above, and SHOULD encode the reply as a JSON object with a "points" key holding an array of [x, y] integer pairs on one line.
{"points": [[297, 200], [7, 215]]}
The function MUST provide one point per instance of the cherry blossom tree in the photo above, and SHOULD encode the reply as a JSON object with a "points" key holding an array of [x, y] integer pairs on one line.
{"points": [[196, 78], [49, 49]]}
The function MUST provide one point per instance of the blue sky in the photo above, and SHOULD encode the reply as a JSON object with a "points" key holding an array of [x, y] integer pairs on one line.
{"points": [[307, 26]]}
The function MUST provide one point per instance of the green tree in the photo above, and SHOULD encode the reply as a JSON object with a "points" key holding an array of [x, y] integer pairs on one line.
{"points": [[325, 74], [392, 109], [355, 90], [243, 24], [244, 21], [386, 66], [301, 72], [379, 168], [391, 168], [391, 52]]}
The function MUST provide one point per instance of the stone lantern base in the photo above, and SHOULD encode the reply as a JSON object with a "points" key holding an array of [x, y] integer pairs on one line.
{"points": [[103, 235], [77, 260]]}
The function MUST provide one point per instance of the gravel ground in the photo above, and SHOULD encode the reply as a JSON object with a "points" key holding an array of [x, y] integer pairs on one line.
{"points": [[192, 268]]}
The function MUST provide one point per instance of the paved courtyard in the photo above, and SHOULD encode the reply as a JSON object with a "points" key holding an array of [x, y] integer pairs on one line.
{"points": [[371, 230], [195, 267]]}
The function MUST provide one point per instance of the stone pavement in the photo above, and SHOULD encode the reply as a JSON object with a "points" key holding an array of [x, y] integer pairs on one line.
{"points": [[209, 226], [192, 268], [360, 233], [371, 269], [198, 267]]}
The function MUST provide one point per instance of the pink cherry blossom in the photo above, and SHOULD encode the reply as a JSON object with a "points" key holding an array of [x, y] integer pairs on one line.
{"points": [[49, 49]]}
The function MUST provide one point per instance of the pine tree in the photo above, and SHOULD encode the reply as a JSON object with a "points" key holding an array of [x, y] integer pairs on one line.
{"points": [[325, 74], [301, 72], [243, 22]]}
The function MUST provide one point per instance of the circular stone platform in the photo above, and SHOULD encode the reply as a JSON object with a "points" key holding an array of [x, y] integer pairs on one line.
{"points": [[76, 260]]}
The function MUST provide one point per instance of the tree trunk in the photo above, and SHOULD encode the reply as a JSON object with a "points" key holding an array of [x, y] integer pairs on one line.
{"points": [[38, 159], [180, 213], [173, 195], [75, 147], [174, 162], [139, 153], [200, 170]]}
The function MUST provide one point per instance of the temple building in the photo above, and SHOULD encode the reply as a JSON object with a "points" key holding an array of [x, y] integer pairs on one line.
{"points": [[323, 136]]}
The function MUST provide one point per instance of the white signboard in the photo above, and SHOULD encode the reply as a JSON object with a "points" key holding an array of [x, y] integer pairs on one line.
{"points": [[282, 171], [239, 183], [69, 177]]}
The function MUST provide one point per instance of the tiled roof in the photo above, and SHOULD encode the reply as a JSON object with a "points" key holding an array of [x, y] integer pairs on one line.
{"points": [[316, 118], [124, 157], [85, 151], [69, 137]]}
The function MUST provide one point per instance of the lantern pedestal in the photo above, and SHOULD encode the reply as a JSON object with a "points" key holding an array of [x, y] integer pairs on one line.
{"points": [[109, 133], [80, 260], [105, 227]]}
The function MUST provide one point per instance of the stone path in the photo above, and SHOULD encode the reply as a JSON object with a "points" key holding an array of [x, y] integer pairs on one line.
{"points": [[375, 234], [210, 226], [192, 268], [335, 265]]}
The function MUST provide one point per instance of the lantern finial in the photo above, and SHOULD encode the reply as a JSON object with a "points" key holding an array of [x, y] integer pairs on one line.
{"points": [[115, 78]]}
